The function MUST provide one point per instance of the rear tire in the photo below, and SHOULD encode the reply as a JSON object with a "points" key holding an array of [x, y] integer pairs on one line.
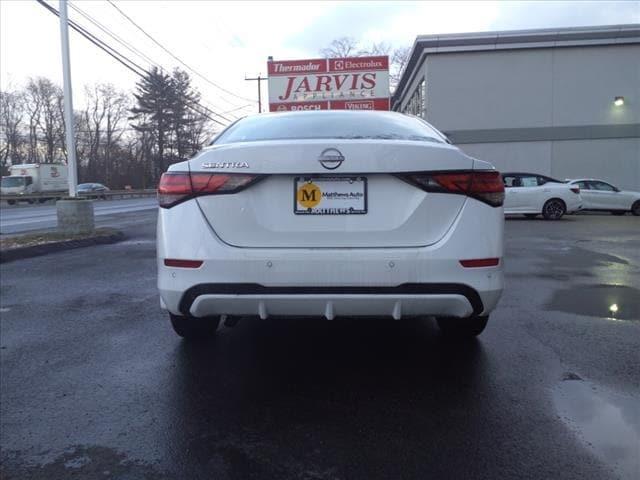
{"points": [[191, 328], [554, 209], [462, 327], [635, 208], [618, 212], [11, 202], [531, 215]]}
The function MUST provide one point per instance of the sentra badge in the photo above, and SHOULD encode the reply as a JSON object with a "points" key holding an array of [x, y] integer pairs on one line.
{"points": [[225, 165]]}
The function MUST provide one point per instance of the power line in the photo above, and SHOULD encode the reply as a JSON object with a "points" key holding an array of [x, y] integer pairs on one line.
{"points": [[120, 58], [118, 39], [140, 54], [175, 57], [141, 72]]}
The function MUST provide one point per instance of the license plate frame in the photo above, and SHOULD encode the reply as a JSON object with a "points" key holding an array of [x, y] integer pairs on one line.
{"points": [[318, 180]]}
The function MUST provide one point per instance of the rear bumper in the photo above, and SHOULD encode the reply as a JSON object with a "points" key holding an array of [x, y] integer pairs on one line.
{"points": [[406, 300], [321, 281]]}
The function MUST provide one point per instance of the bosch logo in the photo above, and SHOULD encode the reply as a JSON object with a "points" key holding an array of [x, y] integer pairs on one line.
{"points": [[339, 65], [331, 158]]}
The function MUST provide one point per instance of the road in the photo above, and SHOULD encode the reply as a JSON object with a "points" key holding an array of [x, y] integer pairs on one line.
{"points": [[21, 219], [94, 384]]}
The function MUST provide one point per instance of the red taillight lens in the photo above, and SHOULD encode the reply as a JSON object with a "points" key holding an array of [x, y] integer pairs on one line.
{"points": [[176, 262], [485, 186], [480, 262], [173, 188], [575, 190], [176, 187]]}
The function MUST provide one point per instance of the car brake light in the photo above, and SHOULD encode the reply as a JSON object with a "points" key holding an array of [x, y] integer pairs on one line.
{"points": [[176, 187], [575, 190], [486, 186], [480, 262]]}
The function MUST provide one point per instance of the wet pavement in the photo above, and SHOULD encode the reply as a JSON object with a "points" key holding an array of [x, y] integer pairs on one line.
{"points": [[94, 384]]}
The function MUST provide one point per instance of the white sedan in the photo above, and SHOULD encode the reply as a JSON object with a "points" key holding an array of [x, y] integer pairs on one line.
{"points": [[600, 195], [330, 214], [531, 194]]}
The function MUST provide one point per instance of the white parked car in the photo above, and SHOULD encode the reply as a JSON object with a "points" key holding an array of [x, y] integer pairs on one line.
{"points": [[600, 195], [329, 214], [531, 194]]}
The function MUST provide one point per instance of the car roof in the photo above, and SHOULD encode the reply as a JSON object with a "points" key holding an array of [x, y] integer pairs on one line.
{"points": [[318, 113], [586, 180], [526, 173]]}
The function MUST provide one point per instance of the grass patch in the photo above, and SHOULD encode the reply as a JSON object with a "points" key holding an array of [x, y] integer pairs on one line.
{"points": [[35, 239]]}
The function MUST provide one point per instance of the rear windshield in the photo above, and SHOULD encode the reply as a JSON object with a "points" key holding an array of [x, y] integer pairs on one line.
{"points": [[333, 125]]}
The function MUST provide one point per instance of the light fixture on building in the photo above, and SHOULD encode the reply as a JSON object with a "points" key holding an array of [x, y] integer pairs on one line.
{"points": [[618, 101]]}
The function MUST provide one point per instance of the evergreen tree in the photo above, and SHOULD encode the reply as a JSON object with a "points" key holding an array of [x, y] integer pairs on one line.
{"points": [[154, 114], [167, 112]]}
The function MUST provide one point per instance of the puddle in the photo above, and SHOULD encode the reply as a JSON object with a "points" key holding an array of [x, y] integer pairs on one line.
{"points": [[607, 424], [616, 302]]}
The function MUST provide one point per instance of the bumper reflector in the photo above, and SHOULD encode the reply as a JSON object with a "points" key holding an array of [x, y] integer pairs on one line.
{"points": [[480, 262], [174, 262]]}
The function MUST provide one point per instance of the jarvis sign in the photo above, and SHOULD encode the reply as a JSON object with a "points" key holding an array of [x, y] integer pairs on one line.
{"points": [[354, 83]]}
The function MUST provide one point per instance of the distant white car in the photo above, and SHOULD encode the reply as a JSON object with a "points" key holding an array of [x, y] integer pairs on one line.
{"points": [[531, 194], [600, 195]]}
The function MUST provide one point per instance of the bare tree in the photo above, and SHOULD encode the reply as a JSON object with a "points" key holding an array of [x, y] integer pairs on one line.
{"points": [[376, 49], [11, 117], [116, 106], [47, 100], [167, 128], [349, 47], [340, 48], [33, 110], [397, 61]]}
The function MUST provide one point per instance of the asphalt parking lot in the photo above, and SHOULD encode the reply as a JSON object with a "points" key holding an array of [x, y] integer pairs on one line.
{"points": [[94, 383]]}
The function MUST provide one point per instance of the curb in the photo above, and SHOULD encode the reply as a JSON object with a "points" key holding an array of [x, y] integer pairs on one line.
{"points": [[37, 250]]}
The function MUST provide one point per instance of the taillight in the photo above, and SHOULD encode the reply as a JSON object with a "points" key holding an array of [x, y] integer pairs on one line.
{"points": [[179, 263], [485, 186], [480, 262], [176, 187], [575, 190]]}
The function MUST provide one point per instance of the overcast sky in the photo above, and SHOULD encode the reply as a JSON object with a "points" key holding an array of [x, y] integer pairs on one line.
{"points": [[226, 41]]}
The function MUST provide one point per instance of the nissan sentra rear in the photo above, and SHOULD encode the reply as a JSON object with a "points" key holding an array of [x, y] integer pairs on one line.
{"points": [[330, 214]]}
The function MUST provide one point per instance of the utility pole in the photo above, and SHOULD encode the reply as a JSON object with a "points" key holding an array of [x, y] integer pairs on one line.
{"points": [[259, 79], [68, 102], [75, 215]]}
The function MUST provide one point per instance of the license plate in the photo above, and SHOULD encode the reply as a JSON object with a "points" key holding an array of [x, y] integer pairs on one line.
{"points": [[330, 195]]}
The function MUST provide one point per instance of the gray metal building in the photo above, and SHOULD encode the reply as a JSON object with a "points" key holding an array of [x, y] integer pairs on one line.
{"points": [[561, 102]]}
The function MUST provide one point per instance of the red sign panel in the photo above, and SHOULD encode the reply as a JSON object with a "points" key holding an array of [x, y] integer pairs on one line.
{"points": [[354, 83]]}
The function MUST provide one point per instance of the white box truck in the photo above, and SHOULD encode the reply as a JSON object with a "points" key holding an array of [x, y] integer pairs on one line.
{"points": [[33, 179]]}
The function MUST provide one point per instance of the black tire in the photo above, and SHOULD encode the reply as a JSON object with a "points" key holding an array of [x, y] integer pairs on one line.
{"points": [[531, 215], [31, 201], [42, 200], [11, 202], [618, 212], [554, 209], [192, 328], [462, 327], [635, 208]]}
